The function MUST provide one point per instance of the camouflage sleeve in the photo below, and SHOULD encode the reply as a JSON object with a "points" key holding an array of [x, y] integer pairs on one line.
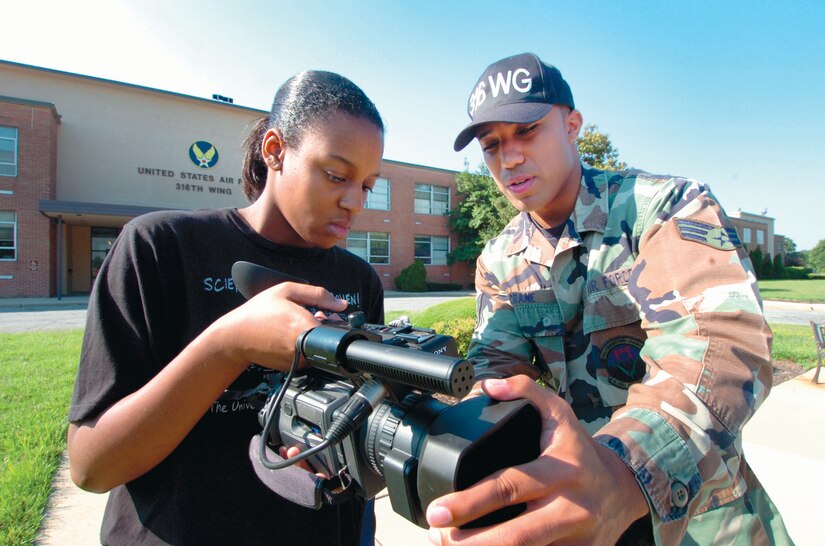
{"points": [[708, 354], [502, 350]]}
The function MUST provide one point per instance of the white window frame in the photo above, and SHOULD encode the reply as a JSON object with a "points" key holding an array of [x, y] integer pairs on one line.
{"points": [[760, 237], [369, 237], [431, 258], [4, 137], [379, 197], [746, 235], [11, 220], [429, 205]]}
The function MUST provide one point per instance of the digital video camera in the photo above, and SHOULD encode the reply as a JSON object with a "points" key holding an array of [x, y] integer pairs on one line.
{"points": [[365, 415]]}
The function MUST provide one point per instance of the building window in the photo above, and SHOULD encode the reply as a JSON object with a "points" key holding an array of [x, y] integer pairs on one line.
{"points": [[746, 235], [760, 237], [102, 241], [432, 250], [379, 197], [8, 151], [370, 245], [8, 235], [431, 199]]}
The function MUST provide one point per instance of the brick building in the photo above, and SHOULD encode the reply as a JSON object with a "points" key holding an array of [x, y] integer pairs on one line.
{"points": [[757, 230], [81, 156]]}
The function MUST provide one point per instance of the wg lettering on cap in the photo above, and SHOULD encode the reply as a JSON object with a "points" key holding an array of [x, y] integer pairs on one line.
{"points": [[520, 80]]}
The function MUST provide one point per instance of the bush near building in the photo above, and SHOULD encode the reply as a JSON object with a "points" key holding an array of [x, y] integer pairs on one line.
{"points": [[413, 278]]}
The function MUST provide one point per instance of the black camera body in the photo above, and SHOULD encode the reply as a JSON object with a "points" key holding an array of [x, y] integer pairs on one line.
{"points": [[407, 440]]}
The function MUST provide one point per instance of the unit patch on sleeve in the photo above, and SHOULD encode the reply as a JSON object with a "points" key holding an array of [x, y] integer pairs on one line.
{"points": [[714, 236], [620, 358]]}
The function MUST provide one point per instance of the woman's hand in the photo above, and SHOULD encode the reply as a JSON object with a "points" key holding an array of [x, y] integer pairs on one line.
{"points": [[264, 329]]}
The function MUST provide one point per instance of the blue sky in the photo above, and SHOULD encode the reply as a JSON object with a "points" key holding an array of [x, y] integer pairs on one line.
{"points": [[730, 93]]}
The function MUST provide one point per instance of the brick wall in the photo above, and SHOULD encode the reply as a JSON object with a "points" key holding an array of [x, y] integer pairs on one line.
{"points": [[33, 271], [403, 224]]}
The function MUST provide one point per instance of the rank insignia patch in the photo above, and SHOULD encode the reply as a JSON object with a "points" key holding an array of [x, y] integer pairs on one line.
{"points": [[620, 357], [714, 236]]}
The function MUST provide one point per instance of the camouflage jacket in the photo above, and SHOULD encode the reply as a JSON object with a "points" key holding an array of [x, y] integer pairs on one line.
{"points": [[645, 315]]}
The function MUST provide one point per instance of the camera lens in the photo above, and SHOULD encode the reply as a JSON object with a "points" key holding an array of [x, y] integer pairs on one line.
{"points": [[380, 432], [399, 427]]}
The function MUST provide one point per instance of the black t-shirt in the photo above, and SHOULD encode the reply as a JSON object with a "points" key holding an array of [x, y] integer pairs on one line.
{"points": [[168, 277]]}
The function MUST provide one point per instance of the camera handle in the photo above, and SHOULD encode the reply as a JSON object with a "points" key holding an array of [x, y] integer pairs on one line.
{"points": [[296, 484]]}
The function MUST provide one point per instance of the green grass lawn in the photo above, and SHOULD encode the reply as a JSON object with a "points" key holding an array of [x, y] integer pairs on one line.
{"points": [[37, 373], [795, 343], [809, 290]]}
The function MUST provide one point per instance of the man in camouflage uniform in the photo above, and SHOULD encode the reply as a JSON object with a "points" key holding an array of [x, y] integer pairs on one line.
{"points": [[630, 296]]}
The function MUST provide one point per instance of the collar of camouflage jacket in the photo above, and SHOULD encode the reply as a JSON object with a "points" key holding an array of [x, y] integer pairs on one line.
{"points": [[589, 214]]}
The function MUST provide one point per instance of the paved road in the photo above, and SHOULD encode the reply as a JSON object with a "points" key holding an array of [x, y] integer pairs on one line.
{"points": [[40, 318], [794, 316]]}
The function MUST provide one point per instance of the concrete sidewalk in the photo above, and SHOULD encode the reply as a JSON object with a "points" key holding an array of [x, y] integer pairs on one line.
{"points": [[784, 443]]}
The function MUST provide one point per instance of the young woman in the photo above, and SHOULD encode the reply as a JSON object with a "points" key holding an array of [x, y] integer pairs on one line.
{"points": [[161, 413]]}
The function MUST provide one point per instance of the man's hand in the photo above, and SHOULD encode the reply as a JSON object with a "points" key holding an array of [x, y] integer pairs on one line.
{"points": [[577, 491]]}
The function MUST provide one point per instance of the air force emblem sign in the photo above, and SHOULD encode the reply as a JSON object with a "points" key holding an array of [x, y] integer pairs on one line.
{"points": [[203, 154]]}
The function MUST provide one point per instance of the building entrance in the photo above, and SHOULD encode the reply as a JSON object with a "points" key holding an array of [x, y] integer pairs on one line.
{"points": [[102, 241]]}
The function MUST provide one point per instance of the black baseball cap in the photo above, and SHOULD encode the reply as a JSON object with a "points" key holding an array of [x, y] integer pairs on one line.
{"points": [[518, 89]]}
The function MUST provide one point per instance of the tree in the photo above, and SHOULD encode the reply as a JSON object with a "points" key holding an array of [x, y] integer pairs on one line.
{"points": [[767, 268], [482, 212], [596, 149], [816, 257], [792, 256], [757, 259], [778, 267]]}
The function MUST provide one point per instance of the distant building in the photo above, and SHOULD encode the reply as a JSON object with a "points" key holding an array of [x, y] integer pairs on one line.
{"points": [[757, 230], [81, 156]]}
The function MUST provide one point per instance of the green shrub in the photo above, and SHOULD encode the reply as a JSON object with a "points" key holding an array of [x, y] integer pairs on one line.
{"points": [[413, 278], [461, 329], [797, 272]]}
